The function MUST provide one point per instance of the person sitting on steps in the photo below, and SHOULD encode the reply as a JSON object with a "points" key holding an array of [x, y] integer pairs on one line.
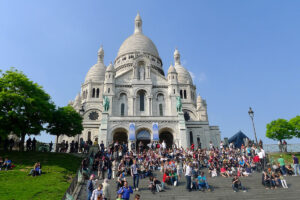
{"points": [[237, 185]]}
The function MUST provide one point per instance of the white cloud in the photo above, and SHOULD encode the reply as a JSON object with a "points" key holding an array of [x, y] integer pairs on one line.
{"points": [[200, 77]]}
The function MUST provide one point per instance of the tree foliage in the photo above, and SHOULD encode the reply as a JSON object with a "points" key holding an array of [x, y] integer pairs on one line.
{"points": [[24, 106], [295, 122], [66, 121], [279, 129]]}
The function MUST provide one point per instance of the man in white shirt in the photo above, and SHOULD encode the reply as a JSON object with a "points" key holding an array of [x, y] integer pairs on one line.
{"points": [[188, 175], [164, 145], [261, 154]]}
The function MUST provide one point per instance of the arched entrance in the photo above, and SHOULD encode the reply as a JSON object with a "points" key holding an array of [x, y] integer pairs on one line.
{"points": [[143, 136], [167, 136], [120, 135]]}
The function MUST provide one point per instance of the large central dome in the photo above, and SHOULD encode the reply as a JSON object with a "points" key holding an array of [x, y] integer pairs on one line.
{"points": [[138, 42]]}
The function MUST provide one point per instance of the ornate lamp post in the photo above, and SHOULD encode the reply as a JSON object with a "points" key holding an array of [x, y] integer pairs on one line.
{"points": [[81, 112], [251, 114]]}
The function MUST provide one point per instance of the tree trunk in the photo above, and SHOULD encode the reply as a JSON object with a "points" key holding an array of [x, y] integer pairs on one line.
{"points": [[56, 144], [22, 142]]}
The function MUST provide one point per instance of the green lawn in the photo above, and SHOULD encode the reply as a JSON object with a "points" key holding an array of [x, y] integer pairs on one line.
{"points": [[286, 156], [58, 171]]}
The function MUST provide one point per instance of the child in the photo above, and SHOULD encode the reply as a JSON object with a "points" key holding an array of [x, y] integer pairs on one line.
{"points": [[283, 181], [119, 197], [214, 173]]}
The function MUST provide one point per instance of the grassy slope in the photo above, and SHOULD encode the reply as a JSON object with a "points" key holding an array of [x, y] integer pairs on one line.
{"points": [[286, 156], [58, 169]]}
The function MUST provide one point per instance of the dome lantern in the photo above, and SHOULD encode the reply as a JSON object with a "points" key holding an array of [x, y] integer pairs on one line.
{"points": [[138, 24], [100, 55], [177, 57]]}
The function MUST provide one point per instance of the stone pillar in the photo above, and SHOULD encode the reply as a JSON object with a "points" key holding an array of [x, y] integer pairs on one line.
{"points": [[103, 129], [182, 131], [150, 106], [133, 106]]}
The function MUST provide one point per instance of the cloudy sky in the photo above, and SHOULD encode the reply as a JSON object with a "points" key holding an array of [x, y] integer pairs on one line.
{"points": [[239, 53]]}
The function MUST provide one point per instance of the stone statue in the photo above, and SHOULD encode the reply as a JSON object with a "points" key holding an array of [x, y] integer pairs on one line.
{"points": [[179, 104], [105, 103]]}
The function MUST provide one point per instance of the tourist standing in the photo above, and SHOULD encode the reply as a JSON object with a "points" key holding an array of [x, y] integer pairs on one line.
{"points": [[50, 146], [90, 187], [135, 175], [296, 165], [125, 191], [164, 145], [101, 146], [188, 175], [106, 190], [97, 193], [33, 144], [282, 165]]}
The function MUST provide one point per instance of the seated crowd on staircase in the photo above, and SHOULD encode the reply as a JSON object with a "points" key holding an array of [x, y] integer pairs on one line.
{"points": [[118, 162]]}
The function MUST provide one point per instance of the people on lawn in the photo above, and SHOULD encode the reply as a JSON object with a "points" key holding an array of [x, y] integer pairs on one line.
{"points": [[37, 169], [6, 165]]}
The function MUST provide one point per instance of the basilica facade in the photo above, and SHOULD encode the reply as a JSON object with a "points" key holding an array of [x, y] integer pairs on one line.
{"points": [[142, 102]]}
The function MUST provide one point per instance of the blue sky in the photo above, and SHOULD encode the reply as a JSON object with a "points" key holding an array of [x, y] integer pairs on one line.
{"points": [[241, 53]]}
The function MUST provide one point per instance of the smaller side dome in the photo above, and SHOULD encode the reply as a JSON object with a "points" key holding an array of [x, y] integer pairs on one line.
{"points": [[77, 101], [171, 69], [110, 68], [97, 72], [183, 75]]}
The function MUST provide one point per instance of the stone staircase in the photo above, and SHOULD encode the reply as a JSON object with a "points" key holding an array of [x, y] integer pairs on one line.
{"points": [[221, 189]]}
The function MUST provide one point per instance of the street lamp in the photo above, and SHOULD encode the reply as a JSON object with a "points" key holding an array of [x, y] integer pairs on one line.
{"points": [[251, 114], [81, 112]]}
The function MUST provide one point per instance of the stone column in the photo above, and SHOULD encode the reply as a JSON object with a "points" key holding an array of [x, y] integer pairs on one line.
{"points": [[150, 105], [182, 131], [103, 129], [133, 106]]}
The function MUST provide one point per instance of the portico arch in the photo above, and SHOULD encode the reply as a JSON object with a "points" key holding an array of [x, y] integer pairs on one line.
{"points": [[120, 135], [143, 135], [166, 134]]}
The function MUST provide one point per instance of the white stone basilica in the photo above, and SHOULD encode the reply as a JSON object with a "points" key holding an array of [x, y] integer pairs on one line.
{"points": [[140, 93]]}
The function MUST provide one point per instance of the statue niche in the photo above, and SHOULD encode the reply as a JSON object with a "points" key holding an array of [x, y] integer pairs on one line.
{"points": [[141, 71]]}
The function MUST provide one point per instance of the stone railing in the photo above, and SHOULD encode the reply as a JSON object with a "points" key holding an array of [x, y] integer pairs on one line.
{"points": [[273, 148]]}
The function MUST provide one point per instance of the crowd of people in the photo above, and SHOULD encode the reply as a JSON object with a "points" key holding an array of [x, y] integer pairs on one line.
{"points": [[118, 162]]}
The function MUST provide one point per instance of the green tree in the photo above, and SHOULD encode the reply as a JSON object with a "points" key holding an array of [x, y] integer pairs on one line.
{"points": [[295, 122], [24, 106], [66, 121], [279, 129]]}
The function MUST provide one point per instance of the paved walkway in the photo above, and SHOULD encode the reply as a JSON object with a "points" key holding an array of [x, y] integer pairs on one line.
{"points": [[221, 190]]}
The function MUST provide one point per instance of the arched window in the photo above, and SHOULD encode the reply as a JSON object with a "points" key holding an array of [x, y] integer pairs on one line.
{"points": [[184, 94], [161, 113], [174, 91], [181, 94], [122, 109], [108, 91], [89, 135], [186, 116], [97, 93], [142, 101], [191, 138], [93, 93]]}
